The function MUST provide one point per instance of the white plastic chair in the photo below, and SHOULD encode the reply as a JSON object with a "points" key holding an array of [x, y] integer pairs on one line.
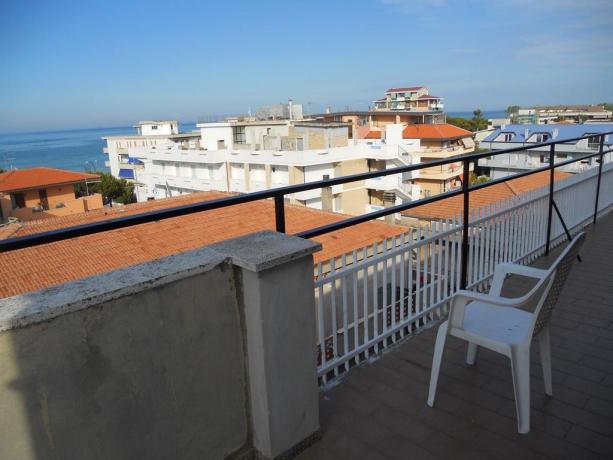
{"points": [[494, 322]]}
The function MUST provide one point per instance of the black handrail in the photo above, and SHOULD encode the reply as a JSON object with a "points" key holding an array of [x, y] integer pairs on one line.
{"points": [[278, 195]]}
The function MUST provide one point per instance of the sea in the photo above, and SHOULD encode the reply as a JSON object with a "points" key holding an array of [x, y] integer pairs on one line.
{"points": [[74, 149], [81, 149]]}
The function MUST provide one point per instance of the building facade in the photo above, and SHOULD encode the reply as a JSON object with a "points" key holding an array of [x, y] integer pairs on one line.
{"points": [[40, 193], [511, 136], [410, 99], [245, 155], [559, 113]]}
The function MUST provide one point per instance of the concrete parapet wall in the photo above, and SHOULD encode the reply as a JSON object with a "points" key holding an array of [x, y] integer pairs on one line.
{"points": [[152, 361]]}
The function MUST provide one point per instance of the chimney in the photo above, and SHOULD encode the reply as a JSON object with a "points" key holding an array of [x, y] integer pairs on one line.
{"points": [[389, 200], [326, 196], [290, 107]]}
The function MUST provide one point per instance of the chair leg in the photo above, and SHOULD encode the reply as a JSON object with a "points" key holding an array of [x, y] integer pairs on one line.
{"points": [[437, 359], [471, 355], [545, 349], [520, 365]]}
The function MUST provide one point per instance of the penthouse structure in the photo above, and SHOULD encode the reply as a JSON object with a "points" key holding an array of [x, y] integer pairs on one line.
{"points": [[410, 99]]}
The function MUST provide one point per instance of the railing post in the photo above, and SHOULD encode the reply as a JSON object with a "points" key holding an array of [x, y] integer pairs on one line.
{"points": [[552, 150], [600, 161], [465, 229], [279, 214]]}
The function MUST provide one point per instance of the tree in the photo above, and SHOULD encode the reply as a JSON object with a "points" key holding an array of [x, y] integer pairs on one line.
{"points": [[111, 189], [479, 123], [473, 179], [607, 105], [460, 122], [512, 110]]}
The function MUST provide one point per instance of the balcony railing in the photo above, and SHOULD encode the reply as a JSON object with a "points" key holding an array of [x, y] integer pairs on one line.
{"points": [[278, 195], [370, 298]]}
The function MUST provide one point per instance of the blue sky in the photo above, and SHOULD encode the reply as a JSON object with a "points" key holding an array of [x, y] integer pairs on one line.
{"points": [[89, 63]]}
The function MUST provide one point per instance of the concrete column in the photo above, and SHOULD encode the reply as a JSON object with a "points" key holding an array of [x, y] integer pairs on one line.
{"points": [[246, 177], [326, 199], [276, 278], [389, 200], [268, 170]]}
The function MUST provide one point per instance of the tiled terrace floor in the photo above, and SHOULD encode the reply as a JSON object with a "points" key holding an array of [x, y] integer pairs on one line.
{"points": [[379, 410]]}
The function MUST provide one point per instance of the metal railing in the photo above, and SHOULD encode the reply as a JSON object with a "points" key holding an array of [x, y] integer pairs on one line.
{"points": [[278, 195], [371, 298]]}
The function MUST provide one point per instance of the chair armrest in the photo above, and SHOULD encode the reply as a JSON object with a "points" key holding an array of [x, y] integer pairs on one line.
{"points": [[504, 269]]}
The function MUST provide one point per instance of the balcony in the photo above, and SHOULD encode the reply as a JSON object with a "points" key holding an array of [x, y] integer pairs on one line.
{"points": [[130, 359], [379, 411]]}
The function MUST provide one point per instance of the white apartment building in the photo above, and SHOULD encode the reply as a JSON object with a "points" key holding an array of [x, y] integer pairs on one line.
{"points": [[249, 155], [557, 113], [509, 136], [122, 150]]}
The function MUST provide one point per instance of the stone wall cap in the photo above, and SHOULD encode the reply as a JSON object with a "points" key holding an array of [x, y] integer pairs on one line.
{"points": [[255, 252], [267, 249], [45, 304]]}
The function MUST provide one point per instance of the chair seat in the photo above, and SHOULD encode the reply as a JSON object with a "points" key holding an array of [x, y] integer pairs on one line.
{"points": [[500, 324]]}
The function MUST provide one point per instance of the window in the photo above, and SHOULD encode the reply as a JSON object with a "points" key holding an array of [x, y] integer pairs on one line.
{"points": [[154, 127], [238, 135], [544, 158], [541, 137], [18, 200], [561, 156], [593, 142]]}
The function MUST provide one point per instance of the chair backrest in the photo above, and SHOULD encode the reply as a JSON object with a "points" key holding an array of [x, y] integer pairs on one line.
{"points": [[559, 270]]}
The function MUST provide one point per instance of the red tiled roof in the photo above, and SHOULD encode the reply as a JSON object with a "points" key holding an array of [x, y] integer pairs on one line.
{"points": [[428, 131], [373, 135], [410, 88], [47, 265], [449, 207], [23, 179]]}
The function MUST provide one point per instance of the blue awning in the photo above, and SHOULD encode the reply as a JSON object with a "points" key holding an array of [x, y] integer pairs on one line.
{"points": [[134, 161], [126, 173]]}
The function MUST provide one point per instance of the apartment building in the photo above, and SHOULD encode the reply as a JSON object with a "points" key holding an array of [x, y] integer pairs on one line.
{"points": [[246, 155], [509, 136], [558, 113], [360, 119], [149, 135], [413, 98]]}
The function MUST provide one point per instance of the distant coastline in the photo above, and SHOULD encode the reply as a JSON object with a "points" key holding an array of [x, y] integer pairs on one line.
{"points": [[80, 149]]}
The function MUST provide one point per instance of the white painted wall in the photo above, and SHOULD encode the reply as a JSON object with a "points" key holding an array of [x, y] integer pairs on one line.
{"points": [[212, 132], [159, 129], [315, 173]]}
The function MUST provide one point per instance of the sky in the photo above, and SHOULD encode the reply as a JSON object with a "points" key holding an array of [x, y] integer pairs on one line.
{"points": [[72, 64]]}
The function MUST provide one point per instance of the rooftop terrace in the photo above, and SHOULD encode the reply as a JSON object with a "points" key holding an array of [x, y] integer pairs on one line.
{"points": [[245, 348], [379, 410]]}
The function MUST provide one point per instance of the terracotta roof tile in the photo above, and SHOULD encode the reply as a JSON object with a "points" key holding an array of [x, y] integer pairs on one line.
{"points": [[51, 264], [449, 207], [23, 179], [429, 131]]}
